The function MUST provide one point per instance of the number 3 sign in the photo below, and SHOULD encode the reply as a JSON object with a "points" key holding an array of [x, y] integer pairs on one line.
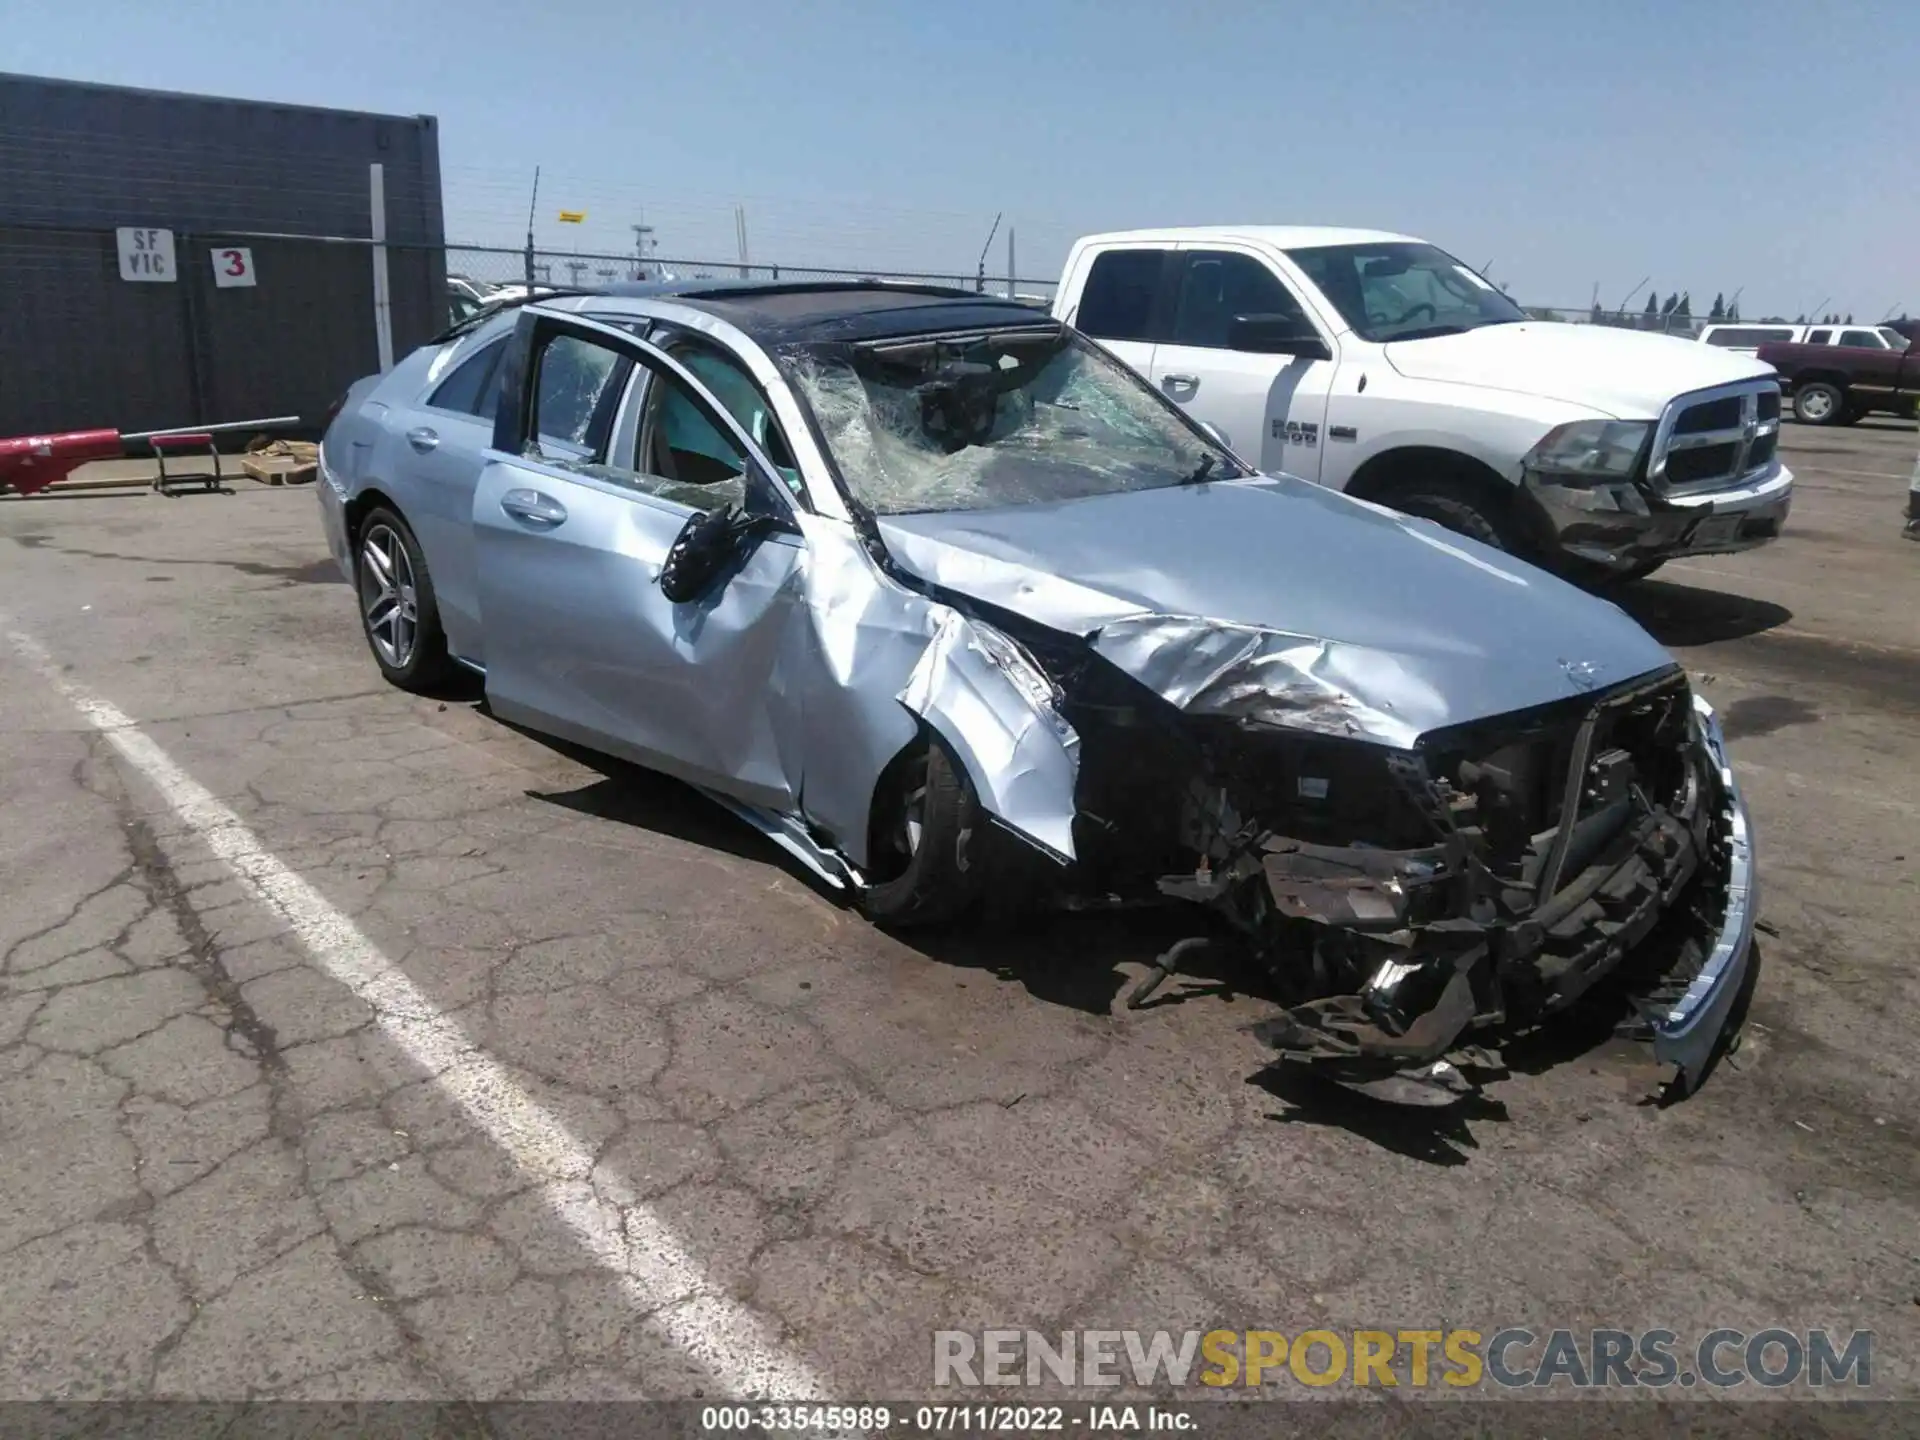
{"points": [[232, 266]]}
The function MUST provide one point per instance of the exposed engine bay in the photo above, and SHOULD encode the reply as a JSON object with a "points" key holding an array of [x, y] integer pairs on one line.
{"points": [[1412, 906]]}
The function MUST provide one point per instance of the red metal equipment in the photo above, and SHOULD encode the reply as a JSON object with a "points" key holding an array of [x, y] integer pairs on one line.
{"points": [[33, 462], [165, 445]]}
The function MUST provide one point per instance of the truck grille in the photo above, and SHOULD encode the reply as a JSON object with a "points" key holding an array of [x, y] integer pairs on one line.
{"points": [[1716, 439]]}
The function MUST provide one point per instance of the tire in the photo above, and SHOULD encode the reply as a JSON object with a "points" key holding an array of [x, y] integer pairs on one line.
{"points": [[1819, 402], [1462, 508], [926, 847], [404, 634]]}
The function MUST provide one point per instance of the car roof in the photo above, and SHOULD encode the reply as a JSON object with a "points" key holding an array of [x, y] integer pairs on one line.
{"points": [[789, 312], [777, 312], [1284, 237]]}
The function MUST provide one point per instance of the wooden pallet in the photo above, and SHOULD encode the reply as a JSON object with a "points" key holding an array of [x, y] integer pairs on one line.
{"points": [[282, 462]]}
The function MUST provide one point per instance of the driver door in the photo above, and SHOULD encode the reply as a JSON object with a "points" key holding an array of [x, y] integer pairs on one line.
{"points": [[589, 483]]}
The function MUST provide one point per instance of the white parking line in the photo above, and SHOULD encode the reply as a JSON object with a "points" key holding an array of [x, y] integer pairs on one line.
{"points": [[735, 1346]]}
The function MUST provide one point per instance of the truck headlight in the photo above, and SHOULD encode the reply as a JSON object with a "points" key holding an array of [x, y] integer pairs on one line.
{"points": [[1590, 451]]}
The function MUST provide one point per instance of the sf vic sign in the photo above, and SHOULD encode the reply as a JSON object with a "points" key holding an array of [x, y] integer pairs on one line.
{"points": [[145, 253]]}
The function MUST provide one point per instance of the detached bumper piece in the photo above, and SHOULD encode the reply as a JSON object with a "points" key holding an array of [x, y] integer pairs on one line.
{"points": [[1417, 960]]}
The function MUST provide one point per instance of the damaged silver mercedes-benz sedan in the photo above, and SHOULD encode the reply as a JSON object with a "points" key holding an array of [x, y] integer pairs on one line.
{"points": [[942, 598]]}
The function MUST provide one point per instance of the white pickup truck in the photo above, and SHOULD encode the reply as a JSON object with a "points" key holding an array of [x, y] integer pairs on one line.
{"points": [[1379, 365]]}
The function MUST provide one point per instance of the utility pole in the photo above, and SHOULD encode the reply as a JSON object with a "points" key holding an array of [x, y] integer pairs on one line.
{"points": [[1011, 272], [980, 271], [740, 233], [576, 268], [532, 205]]}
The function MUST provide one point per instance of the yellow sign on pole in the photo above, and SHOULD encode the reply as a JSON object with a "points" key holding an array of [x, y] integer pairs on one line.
{"points": [[572, 217]]}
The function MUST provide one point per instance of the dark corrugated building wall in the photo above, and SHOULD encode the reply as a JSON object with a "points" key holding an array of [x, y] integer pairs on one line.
{"points": [[80, 346]]}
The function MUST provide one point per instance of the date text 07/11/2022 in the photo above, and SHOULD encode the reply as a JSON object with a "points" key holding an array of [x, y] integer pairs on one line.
{"points": [[1089, 1419]]}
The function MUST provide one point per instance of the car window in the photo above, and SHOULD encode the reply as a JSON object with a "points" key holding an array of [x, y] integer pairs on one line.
{"points": [[470, 389], [1217, 285], [1895, 340], [1749, 336], [680, 451], [575, 396], [1117, 302], [1867, 339], [1820, 337], [1404, 290], [738, 393]]}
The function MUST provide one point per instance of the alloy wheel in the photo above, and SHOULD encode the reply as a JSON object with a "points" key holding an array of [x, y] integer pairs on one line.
{"points": [[388, 599]]}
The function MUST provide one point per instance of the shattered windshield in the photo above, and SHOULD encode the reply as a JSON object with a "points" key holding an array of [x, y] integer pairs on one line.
{"points": [[1007, 417], [1404, 290]]}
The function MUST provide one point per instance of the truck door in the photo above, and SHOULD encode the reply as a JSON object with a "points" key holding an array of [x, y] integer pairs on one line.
{"points": [[1903, 370], [1121, 300], [1271, 407]]}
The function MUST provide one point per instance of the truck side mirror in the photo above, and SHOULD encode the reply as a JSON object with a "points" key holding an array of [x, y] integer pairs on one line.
{"points": [[1276, 335]]}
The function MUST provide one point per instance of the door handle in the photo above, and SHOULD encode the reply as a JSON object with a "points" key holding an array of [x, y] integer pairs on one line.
{"points": [[1170, 383], [532, 506], [423, 439]]}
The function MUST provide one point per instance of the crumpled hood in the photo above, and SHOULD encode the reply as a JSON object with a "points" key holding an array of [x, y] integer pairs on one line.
{"points": [[1627, 374], [1277, 596]]}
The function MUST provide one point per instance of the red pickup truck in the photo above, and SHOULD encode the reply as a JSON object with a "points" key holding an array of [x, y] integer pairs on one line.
{"points": [[1837, 384]]}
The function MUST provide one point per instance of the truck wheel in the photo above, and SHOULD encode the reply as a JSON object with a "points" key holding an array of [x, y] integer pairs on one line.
{"points": [[1464, 509], [923, 859], [1819, 402]]}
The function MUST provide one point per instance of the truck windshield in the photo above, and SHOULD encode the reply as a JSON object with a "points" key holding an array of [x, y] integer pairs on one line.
{"points": [[1404, 290], [1003, 417]]}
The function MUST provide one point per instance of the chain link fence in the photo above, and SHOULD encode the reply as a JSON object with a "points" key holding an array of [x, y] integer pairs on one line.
{"points": [[477, 271], [480, 270]]}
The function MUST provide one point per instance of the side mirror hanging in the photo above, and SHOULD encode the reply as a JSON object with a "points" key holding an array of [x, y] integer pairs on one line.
{"points": [[705, 546]]}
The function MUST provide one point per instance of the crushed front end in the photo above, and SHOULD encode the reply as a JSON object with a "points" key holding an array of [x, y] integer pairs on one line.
{"points": [[1418, 906]]}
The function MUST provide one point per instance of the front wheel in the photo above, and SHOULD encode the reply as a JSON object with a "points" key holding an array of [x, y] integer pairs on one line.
{"points": [[1819, 402], [1468, 510], [924, 858], [397, 609]]}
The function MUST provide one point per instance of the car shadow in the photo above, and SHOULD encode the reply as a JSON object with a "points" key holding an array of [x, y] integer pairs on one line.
{"points": [[1442, 1136], [1683, 615], [629, 794], [1086, 960]]}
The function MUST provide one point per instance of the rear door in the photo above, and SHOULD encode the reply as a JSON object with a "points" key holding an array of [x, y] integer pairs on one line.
{"points": [[589, 484], [1271, 407], [1122, 302], [446, 437]]}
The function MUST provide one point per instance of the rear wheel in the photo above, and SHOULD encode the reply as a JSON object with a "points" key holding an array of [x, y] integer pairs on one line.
{"points": [[1819, 402], [397, 608], [924, 855]]}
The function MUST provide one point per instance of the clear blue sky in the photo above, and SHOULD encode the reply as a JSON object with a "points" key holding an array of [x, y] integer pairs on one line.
{"points": [[1713, 144]]}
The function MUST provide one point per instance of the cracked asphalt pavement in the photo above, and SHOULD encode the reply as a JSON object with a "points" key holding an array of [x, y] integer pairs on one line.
{"points": [[226, 1172]]}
